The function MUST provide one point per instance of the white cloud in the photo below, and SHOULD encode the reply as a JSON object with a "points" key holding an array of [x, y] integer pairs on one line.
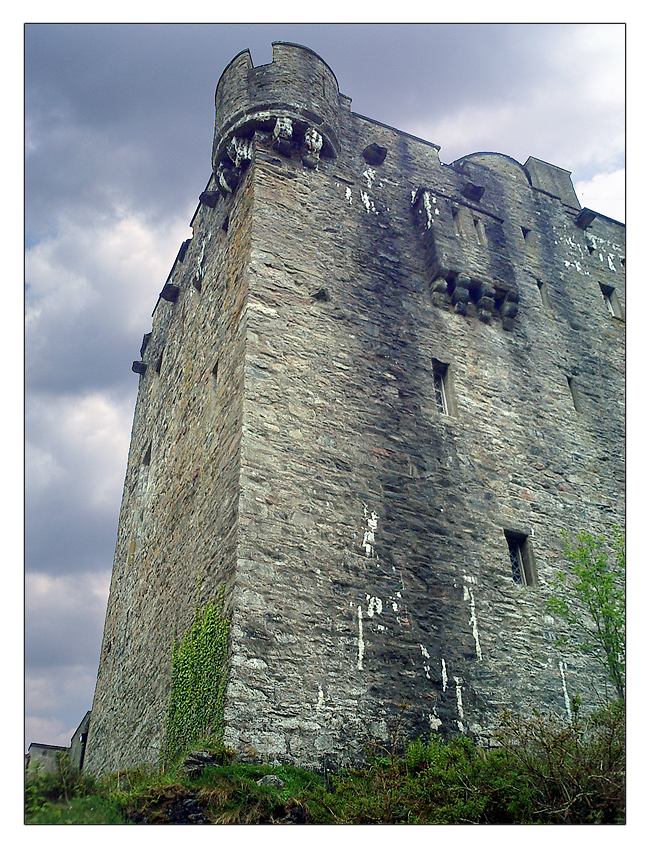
{"points": [[80, 441], [604, 193], [570, 113], [103, 268]]}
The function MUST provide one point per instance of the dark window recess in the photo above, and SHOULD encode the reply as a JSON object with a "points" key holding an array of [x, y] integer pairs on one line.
{"points": [[442, 391], [146, 460], [543, 293], [226, 224], [622, 262], [611, 299], [479, 227], [215, 373], [145, 341], [456, 219], [521, 558], [590, 248], [525, 232], [374, 154], [472, 191], [575, 395], [321, 294], [159, 363]]}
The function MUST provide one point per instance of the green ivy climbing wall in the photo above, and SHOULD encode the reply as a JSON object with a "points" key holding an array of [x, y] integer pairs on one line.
{"points": [[198, 685]]}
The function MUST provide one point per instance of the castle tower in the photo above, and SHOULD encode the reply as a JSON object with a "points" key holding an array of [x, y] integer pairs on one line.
{"points": [[376, 391]]}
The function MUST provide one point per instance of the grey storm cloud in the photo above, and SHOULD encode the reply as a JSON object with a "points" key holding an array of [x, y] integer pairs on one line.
{"points": [[119, 123]]}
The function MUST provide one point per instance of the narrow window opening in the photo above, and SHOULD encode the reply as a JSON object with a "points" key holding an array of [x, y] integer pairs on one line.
{"points": [[521, 558], [215, 374], [575, 395], [590, 248], [442, 390], [543, 293], [480, 231], [622, 262], [525, 232], [143, 475], [611, 300], [159, 363], [226, 224], [456, 219]]}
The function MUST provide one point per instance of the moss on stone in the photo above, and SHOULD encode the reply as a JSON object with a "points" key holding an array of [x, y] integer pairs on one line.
{"points": [[198, 685]]}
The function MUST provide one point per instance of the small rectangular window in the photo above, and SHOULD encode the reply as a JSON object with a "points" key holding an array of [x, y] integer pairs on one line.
{"points": [[456, 219], [522, 563], [611, 300], [442, 390], [575, 394], [480, 231], [543, 293]]}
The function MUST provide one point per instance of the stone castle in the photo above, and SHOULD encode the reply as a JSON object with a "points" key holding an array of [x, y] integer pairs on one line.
{"points": [[376, 392]]}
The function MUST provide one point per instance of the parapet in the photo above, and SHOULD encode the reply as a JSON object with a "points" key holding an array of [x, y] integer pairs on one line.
{"points": [[295, 97], [552, 179]]}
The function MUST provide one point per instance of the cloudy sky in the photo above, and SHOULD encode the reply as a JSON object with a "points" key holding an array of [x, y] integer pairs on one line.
{"points": [[118, 135]]}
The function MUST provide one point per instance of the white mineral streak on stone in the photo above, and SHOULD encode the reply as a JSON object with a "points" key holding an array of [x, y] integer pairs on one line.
{"points": [[459, 703], [362, 646], [465, 593], [369, 534], [610, 263], [426, 656], [567, 700], [444, 675], [395, 606], [474, 623], [413, 194], [321, 698], [370, 175], [434, 721], [398, 594], [348, 194], [374, 606], [367, 202], [427, 199]]}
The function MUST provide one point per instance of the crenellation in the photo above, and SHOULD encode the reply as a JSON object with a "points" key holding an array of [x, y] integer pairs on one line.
{"points": [[364, 388]]}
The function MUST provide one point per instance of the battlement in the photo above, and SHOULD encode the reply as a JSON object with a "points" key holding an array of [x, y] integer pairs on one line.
{"points": [[295, 97]]}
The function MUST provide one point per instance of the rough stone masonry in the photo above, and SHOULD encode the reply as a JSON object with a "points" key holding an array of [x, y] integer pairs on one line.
{"points": [[376, 391]]}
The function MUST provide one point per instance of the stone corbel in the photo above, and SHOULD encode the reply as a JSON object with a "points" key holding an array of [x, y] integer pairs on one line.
{"points": [[283, 135], [227, 178], [509, 310], [312, 149], [460, 296], [485, 304], [439, 285], [240, 151]]}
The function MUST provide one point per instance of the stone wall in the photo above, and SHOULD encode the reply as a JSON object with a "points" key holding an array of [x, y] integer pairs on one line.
{"points": [[178, 522], [358, 527]]}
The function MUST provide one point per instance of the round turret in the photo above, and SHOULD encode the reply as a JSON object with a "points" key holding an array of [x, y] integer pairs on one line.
{"points": [[295, 97]]}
